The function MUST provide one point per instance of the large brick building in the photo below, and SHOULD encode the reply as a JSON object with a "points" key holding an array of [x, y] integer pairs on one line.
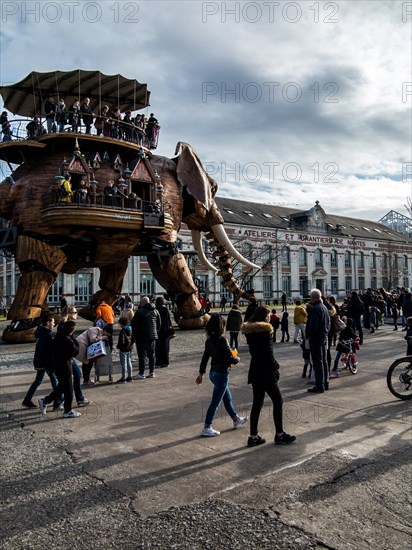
{"points": [[297, 250]]}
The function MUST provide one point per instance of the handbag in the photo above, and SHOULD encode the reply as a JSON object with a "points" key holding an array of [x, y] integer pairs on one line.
{"points": [[100, 323], [96, 350], [338, 324], [171, 332]]}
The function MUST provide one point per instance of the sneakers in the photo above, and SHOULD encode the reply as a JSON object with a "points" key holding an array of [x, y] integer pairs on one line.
{"points": [[284, 439], [72, 414], [241, 421], [42, 406], [152, 375], [334, 374], [129, 379], [29, 404], [58, 407], [121, 381], [89, 383], [83, 403], [256, 440], [209, 432], [140, 377]]}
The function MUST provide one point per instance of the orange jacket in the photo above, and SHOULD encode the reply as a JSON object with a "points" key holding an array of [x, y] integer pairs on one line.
{"points": [[105, 312]]}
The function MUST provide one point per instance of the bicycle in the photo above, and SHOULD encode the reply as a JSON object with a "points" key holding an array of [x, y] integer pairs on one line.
{"points": [[348, 357], [399, 378]]}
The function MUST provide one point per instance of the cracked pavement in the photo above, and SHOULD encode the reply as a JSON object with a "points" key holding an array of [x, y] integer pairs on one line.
{"points": [[133, 471]]}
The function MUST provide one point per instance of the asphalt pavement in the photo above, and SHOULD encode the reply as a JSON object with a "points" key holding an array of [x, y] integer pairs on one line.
{"points": [[133, 472]]}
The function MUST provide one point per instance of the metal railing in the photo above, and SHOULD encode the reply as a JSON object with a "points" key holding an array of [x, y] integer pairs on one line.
{"points": [[116, 129], [102, 201]]}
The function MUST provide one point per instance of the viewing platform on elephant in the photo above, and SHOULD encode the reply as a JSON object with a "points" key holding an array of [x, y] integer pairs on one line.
{"points": [[19, 149], [129, 213]]}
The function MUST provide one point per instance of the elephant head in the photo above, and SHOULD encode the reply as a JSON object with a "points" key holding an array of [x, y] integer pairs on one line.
{"points": [[202, 216]]}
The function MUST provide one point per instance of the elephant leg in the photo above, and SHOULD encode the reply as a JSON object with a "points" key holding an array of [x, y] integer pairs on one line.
{"points": [[39, 264], [110, 283], [172, 272]]}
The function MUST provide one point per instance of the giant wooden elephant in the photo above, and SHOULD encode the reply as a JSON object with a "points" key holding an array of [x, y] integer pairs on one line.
{"points": [[48, 237]]}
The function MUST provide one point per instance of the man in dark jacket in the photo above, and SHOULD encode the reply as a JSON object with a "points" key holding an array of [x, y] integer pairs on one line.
{"points": [[64, 348], [354, 311], [42, 361], [87, 114], [317, 329], [145, 326]]}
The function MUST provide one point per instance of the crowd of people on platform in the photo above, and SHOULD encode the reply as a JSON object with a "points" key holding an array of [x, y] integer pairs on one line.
{"points": [[108, 122], [113, 194]]}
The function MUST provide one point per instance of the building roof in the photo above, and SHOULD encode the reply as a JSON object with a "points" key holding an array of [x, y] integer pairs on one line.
{"points": [[253, 214]]}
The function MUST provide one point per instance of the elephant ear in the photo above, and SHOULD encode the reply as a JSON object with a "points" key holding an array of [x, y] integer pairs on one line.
{"points": [[193, 176]]}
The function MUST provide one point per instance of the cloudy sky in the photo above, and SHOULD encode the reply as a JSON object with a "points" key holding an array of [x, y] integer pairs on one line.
{"points": [[285, 102]]}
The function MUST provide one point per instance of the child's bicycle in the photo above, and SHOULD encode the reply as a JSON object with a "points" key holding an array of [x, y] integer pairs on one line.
{"points": [[399, 378], [348, 357]]}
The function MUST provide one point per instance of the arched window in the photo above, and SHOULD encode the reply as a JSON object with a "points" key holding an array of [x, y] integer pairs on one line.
{"points": [[286, 255], [334, 258], [348, 259], [303, 257], [361, 260], [373, 260], [318, 258]]}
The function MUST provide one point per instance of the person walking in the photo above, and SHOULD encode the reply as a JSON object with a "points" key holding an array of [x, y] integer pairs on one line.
{"points": [[145, 327], [283, 301], [223, 302], [284, 326], [164, 334], [64, 348], [125, 345], [275, 322], [42, 362], [264, 376], [354, 311], [300, 316], [234, 322], [317, 329], [69, 313], [217, 349]]}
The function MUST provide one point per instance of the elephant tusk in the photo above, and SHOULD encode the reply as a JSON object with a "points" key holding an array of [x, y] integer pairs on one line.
{"points": [[221, 236], [197, 243]]}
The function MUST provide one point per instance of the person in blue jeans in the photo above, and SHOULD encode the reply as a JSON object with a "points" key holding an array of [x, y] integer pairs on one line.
{"points": [[42, 362], [69, 313], [218, 350]]}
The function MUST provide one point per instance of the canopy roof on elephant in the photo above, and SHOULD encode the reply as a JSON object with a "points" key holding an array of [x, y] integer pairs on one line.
{"points": [[27, 97]]}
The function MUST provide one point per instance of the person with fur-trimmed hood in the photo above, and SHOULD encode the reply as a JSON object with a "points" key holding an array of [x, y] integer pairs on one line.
{"points": [[263, 375]]}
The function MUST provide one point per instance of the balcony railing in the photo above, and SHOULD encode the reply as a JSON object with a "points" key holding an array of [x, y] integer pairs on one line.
{"points": [[102, 201], [122, 131]]}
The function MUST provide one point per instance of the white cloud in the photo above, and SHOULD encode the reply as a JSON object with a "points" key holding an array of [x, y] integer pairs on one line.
{"points": [[361, 61]]}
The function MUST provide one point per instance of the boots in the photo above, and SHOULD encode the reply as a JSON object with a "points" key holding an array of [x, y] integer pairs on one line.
{"points": [[305, 368]]}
